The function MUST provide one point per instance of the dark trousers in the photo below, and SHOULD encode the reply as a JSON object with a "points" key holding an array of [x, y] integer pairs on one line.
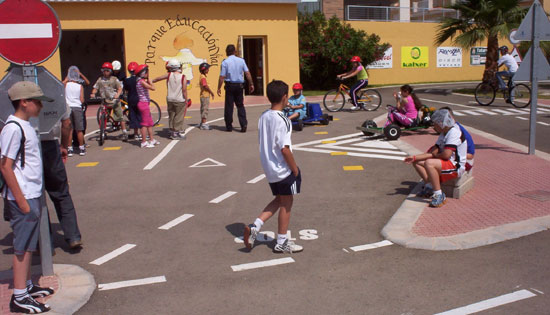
{"points": [[57, 186], [234, 93]]}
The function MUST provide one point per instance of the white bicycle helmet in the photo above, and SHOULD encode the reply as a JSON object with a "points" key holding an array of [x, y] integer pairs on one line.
{"points": [[173, 65], [116, 65]]}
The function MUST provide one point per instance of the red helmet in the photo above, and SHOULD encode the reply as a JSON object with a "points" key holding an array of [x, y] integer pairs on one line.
{"points": [[132, 66], [107, 65], [297, 86], [139, 69], [355, 59]]}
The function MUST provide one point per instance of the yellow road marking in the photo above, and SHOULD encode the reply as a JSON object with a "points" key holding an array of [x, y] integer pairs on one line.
{"points": [[186, 117], [335, 119], [353, 168], [111, 148], [87, 164], [321, 133], [328, 141], [320, 126], [338, 153], [159, 125]]}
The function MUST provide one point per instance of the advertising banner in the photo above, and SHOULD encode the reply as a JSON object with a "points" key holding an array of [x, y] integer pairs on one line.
{"points": [[478, 55], [414, 57], [449, 57], [385, 62]]}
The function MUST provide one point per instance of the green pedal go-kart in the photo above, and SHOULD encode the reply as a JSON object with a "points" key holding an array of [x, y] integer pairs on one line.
{"points": [[393, 130]]}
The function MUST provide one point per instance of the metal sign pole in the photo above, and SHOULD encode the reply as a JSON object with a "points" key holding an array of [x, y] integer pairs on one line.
{"points": [[29, 74], [534, 83]]}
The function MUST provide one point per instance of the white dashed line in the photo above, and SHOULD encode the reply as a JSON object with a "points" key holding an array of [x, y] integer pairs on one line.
{"points": [[543, 123], [223, 197], [472, 112], [522, 118], [103, 259], [261, 264], [256, 179], [457, 113], [484, 111], [130, 283], [491, 303], [175, 222], [503, 112], [371, 246]]}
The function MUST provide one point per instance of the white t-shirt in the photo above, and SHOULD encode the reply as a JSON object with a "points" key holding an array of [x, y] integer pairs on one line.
{"points": [[29, 177], [72, 94], [456, 142], [509, 61], [274, 134]]}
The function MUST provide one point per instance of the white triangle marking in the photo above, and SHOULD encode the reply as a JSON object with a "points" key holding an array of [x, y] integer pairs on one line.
{"points": [[214, 163]]}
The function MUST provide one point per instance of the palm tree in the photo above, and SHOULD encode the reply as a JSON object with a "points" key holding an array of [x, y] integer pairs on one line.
{"points": [[481, 20]]}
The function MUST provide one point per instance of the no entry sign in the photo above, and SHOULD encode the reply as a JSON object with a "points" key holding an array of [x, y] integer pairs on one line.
{"points": [[29, 31]]}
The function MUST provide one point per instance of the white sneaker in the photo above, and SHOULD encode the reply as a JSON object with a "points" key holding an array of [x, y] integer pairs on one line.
{"points": [[182, 135], [288, 247], [146, 144], [154, 142], [354, 107]]}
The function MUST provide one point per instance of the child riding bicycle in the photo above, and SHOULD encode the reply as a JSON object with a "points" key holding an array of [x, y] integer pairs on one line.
{"points": [[362, 79], [110, 89]]}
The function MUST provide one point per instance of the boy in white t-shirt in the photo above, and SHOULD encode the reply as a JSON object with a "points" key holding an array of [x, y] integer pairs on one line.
{"points": [[21, 168], [282, 173], [443, 161]]}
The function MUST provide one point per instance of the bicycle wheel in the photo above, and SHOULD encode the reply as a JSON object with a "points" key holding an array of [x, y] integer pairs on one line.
{"points": [[98, 114], [155, 112], [102, 131], [370, 99], [520, 95], [334, 101], [485, 94]]}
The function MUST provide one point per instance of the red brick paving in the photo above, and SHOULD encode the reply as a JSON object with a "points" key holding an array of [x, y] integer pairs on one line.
{"points": [[6, 290], [500, 174]]}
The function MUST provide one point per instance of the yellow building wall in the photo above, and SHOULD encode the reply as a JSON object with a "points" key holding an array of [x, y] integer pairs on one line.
{"points": [[156, 30]]}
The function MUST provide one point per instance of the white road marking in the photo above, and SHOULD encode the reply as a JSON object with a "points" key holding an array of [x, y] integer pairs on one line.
{"points": [[522, 118], [371, 246], [543, 123], [543, 109], [519, 111], [538, 291], [491, 303], [345, 250], [105, 258], [455, 104], [471, 112], [26, 30], [376, 144], [261, 264], [223, 197], [91, 133], [378, 156], [130, 283], [457, 113], [484, 111], [256, 179], [503, 112], [214, 163], [161, 155], [328, 139], [175, 222]]}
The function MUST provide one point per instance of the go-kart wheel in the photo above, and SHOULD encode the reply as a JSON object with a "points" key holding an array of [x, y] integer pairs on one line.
{"points": [[369, 124], [392, 132], [325, 120], [299, 125]]}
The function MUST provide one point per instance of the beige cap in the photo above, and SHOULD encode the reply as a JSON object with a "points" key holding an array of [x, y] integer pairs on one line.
{"points": [[25, 90]]}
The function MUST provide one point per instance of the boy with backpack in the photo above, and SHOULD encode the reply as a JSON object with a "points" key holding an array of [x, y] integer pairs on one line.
{"points": [[21, 168]]}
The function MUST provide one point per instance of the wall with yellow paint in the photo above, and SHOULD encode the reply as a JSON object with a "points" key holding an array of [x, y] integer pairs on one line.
{"points": [[156, 30]]}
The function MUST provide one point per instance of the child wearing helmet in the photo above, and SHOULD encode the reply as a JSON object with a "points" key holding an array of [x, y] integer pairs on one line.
{"points": [[296, 107], [143, 85], [362, 79], [443, 161], [110, 89], [512, 66], [133, 99], [117, 66], [206, 92], [176, 97]]}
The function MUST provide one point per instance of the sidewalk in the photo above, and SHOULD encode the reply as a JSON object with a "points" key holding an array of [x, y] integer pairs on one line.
{"points": [[73, 287], [510, 199]]}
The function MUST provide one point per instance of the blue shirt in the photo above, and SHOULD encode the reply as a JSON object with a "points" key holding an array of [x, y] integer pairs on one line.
{"points": [[471, 146], [233, 69]]}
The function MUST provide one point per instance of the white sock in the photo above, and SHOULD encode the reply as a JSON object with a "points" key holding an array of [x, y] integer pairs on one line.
{"points": [[20, 293], [70, 147], [81, 147], [437, 192], [258, 223], [281, 238], [124, 131]]}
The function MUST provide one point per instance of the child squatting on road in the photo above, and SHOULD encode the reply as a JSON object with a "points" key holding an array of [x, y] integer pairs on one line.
{"points": [[21, 169], [445, 160], [280, 168]]}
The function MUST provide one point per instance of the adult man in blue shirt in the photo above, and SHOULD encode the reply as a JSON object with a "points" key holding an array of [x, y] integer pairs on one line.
{"points": [[232, 73]]}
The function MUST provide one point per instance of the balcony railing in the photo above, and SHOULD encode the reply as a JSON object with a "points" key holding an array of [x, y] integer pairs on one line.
{"points": [[377, 13]]}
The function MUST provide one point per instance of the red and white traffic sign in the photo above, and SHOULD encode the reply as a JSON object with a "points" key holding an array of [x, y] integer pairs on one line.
{"points": [[30, 31]]}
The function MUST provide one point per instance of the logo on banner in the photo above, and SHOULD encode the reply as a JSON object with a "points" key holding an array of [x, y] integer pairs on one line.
{"points": [[478, 55], [384, 62], [414, 57], [449, 57]]}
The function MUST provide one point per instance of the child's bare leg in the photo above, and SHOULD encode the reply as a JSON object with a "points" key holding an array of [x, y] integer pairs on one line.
{"points": [[150, 132], [284, 213], [421, 170], [143, 134], [80, 137], [21, 270], [433, 169], [270, 209], [294, 116]]}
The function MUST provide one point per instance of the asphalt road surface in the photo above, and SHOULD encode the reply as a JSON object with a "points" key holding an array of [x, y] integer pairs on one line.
{"points": [[198, 264]]}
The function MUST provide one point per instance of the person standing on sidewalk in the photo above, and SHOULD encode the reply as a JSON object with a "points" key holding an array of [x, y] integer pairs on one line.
{"points": [[21, 169], [232, 74], [280, 168]]}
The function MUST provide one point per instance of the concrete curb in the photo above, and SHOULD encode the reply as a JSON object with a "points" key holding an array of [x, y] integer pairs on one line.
{"points": [[76, 286]]}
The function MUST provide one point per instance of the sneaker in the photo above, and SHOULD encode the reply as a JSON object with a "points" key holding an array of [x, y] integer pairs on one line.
{"points": [[250, 234], [146, 144], [82, 151], [154, 142], [182, 135], [438, 200], [37, 291], [354, 107], [70, 151], [288, 247], [425, 192], [27, 305], [125, 137], [204, 127], [173, 135]]}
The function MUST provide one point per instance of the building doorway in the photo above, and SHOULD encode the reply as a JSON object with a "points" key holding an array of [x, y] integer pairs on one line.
{"points": [[253, 54], [88, 50]]}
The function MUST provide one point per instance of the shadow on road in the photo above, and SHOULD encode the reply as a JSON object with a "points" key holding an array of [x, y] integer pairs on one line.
{"points": [[404, 190]]}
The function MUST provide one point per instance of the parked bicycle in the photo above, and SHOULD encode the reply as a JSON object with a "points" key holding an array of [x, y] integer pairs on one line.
{"points": [[517, 94], [367, 99]]}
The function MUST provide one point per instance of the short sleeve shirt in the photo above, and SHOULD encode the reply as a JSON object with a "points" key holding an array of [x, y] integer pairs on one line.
{"points": [[455, 141], [295, 101], [233, 69], [203, 84], [107, 88], [29, 177], [274, 134]]}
